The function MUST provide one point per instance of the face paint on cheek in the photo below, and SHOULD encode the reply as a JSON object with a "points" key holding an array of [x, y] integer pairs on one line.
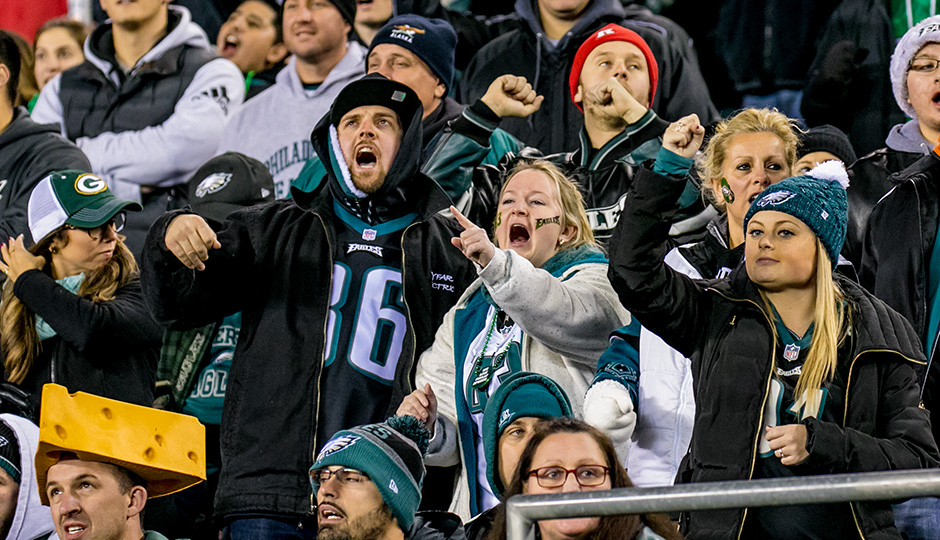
{"points": [[540, 222], [499, 219]]}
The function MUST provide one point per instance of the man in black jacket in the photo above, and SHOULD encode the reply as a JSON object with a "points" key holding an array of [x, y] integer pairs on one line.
{"points": [[543, 48], [340, 290], [28, 151]]}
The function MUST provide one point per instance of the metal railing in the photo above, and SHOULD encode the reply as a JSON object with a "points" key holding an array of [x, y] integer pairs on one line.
{"points": [[522, 511]]}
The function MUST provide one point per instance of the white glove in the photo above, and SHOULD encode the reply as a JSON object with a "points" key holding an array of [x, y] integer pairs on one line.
{"points": [[609, 408]]}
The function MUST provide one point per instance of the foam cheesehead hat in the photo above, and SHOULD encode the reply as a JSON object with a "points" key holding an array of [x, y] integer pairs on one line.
{"points": [[391, 453], [817, 199], [227, 183], [611, 32], [166, 450], [521, 395], [432, 40], [922, 33], [72, 197]]}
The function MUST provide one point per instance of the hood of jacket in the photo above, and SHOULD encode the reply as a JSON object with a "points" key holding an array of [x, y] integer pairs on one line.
{"points": [[598, 9], [436, 525], [22, 127], [349, 67], [99, 47], [401, 193], [908, 138], [31, 519]]}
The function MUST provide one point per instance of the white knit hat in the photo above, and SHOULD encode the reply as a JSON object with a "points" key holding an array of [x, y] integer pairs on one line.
{"points": [[922, 33]]}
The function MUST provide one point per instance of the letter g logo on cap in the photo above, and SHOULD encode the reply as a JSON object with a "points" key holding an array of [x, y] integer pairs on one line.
{"points": [[89, 184]]}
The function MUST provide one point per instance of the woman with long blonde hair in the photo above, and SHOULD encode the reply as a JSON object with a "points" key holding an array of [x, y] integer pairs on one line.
{"points": [[542, 304], [797, 370], [71, 310]]}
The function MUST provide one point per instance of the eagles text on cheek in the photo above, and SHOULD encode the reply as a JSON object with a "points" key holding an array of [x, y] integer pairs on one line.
{"points": [[539, 222]]}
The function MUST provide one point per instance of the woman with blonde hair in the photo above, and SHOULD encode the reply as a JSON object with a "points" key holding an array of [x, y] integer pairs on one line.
{"points": [[542, 304], [748, 152], [71, 310], [798, 371]]}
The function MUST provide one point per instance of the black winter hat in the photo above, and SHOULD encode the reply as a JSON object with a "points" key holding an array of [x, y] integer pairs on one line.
{"points": [[830, 139], [374, 89], [227, 183]]}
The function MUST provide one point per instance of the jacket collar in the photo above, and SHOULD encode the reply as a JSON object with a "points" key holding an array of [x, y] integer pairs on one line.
{"points": [[647, 128]]}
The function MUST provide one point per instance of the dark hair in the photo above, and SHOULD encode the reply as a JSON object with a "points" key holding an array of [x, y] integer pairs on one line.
{"points": [[610, 527], [10, 57], [77, 30]]}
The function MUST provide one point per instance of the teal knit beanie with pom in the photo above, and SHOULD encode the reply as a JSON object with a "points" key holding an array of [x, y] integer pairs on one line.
{"points": [[391, 453], [817, 199]]}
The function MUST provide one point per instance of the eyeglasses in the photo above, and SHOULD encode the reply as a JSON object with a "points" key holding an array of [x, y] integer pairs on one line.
{"points": [[555, 477], [924, 64], [96, 233], [343, 476]]}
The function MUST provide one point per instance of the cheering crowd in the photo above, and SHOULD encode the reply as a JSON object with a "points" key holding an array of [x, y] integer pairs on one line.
{"points": [[363, 270]]}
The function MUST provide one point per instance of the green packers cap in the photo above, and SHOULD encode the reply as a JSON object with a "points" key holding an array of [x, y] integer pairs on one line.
{"points": [[71, 197]]}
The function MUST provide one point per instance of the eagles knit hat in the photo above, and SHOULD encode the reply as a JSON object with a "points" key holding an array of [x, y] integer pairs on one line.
{"points": [[9, 452], [71, 197], [611, 32], [922, 33], [432, 40], [817, 199], [346, 8], [227, 183], [166, 450], [391, 453], [830, 139], [521, 395], [375, 89]]}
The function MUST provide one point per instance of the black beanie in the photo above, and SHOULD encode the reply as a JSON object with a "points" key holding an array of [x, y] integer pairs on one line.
{"points": [[830, 139], [9, 452]]}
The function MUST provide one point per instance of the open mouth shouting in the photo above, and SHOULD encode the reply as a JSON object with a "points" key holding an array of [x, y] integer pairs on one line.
{"points": [[366, 158], [328, 514], [73, 531], [229, 46], [518, 235]]}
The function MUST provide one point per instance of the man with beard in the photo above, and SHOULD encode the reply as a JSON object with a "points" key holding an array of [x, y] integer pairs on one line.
{"points": [[340, 290], [367, 484]]}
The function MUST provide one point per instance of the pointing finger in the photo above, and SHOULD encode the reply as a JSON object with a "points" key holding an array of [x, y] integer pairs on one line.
{"points": [[461, 219]]}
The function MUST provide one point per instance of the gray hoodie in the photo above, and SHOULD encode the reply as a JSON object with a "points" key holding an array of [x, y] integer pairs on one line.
{"points": [[32, 519], [908, 138], [275, 126]]}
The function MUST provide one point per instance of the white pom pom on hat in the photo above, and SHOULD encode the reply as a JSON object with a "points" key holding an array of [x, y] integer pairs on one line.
{"points": [[832, 170]]}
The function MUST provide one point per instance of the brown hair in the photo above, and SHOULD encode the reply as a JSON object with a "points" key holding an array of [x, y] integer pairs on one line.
{"points": [[78, 30], [573, 213], [19, 340], [621, 527]]}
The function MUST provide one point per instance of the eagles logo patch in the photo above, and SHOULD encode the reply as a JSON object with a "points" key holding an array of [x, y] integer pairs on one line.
{"points": [[212, 183], [337, 444], [776, 198]]}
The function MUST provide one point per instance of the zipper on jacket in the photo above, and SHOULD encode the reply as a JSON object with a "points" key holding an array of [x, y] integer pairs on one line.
{"points": [[845, 413], [773, 361], [324, 352], [404, 299], [936, 339]]}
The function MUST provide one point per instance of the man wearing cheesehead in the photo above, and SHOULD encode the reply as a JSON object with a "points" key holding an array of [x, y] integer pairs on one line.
{"points": [[99, 460]]}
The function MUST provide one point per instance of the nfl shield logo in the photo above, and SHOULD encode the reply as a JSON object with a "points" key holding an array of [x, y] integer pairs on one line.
{"points": [[368, 234], [791, 352]]}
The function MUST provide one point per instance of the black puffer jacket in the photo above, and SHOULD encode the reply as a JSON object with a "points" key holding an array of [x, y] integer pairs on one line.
{"points": [[896, 254], [436, 525], [526, 52], [721, 326], [275, 266], [104, 348]]}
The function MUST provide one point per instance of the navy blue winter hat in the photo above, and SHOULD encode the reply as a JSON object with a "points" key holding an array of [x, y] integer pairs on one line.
{"points": [[391, 453], [432, 40], [817, 199]]}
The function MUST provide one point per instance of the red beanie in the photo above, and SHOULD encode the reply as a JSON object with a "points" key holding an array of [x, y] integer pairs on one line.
{"points": [[611, 32]]}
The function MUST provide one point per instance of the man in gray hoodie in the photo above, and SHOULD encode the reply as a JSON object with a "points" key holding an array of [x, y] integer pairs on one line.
{"points": [[147, 106]]}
